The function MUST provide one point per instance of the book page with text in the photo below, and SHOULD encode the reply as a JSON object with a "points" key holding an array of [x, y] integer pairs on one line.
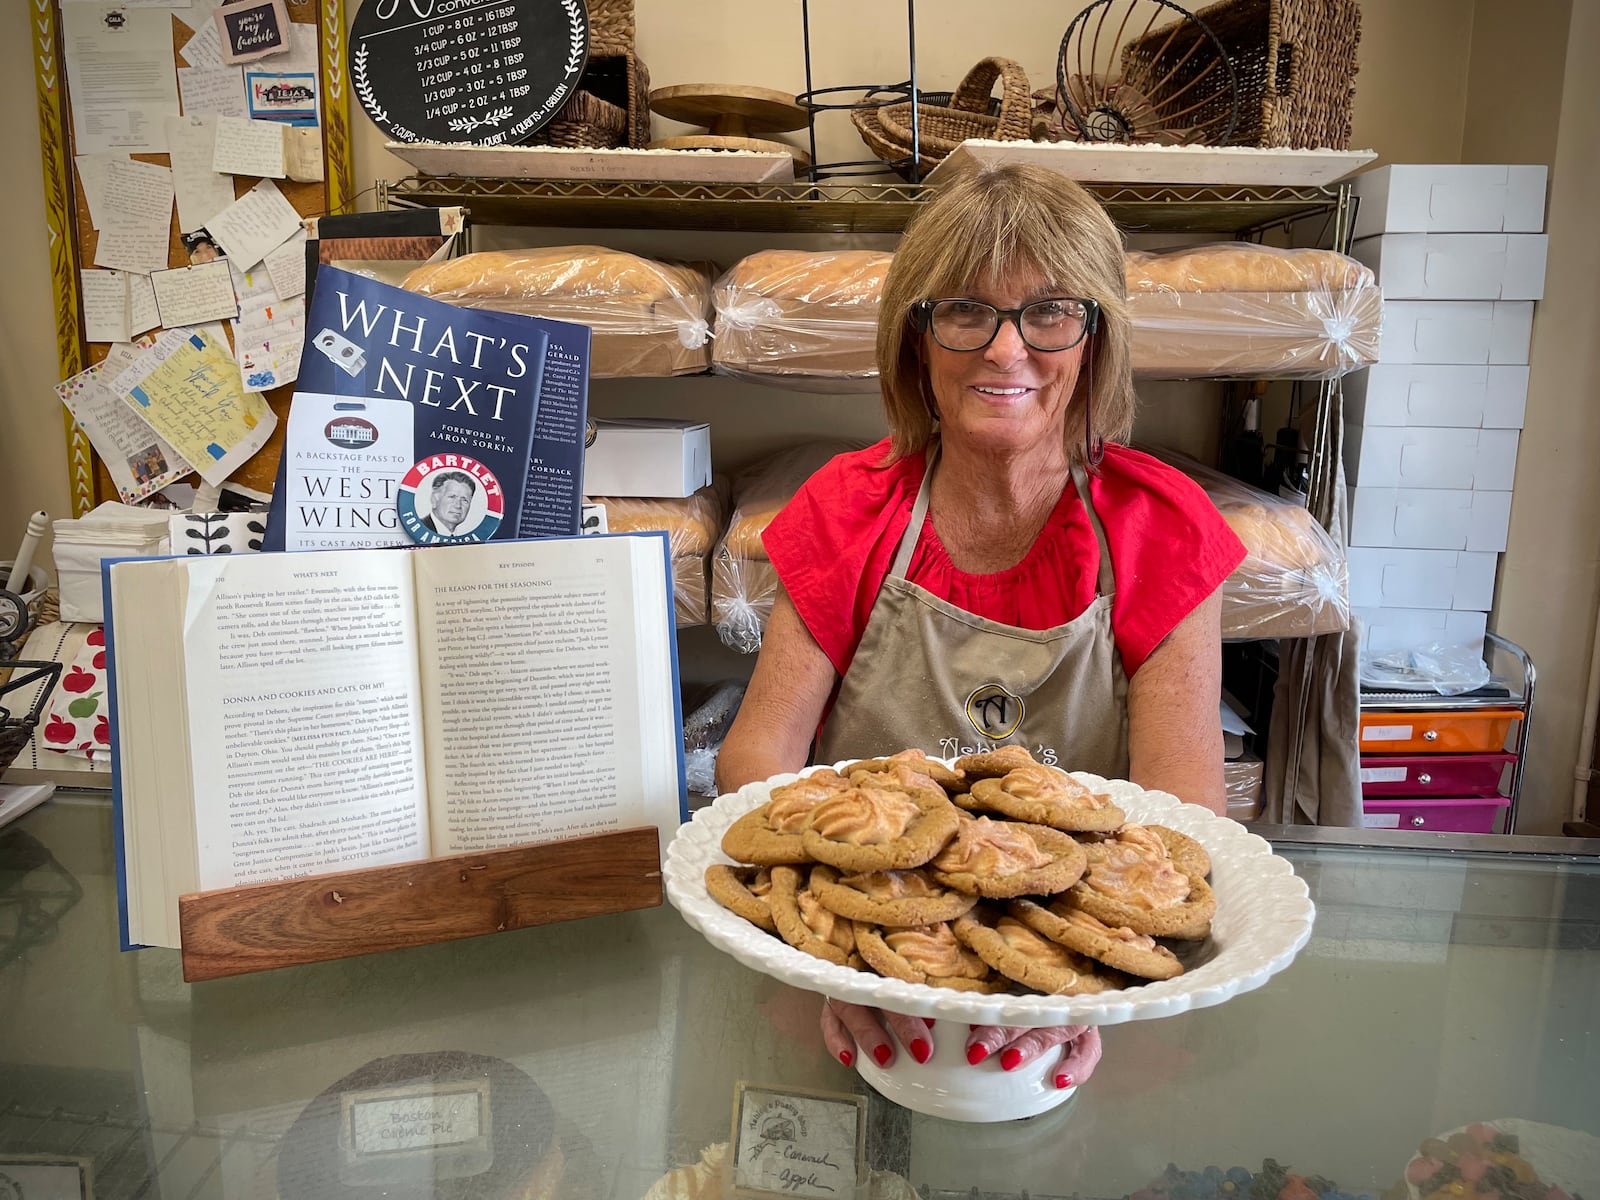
{"points": [[305, 731], [547, 690]]}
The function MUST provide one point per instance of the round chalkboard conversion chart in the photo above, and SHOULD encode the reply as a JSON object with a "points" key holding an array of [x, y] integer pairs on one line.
{"points": [[485, 71]]}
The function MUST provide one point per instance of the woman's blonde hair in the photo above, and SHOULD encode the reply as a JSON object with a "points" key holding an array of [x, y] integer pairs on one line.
{"points": [[985, 225]]}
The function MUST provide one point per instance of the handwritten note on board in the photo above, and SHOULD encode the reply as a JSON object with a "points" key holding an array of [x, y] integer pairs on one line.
{"points": [[246, 147], [140, 461], [142, 312], [219, 91], [194, 295], [92, 170], [105, 306], [287, 267], [258, 222], [138, 217], [187, 386], [200, 191]]}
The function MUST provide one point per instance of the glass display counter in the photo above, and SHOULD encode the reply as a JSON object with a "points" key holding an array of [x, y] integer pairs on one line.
{"points": [[1442, 987]]}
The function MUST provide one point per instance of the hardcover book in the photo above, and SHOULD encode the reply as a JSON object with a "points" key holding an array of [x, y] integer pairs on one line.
{"points": [[276, 716]]}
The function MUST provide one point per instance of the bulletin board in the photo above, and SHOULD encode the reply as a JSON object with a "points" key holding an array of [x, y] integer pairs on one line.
{"points": [[73, 238]]}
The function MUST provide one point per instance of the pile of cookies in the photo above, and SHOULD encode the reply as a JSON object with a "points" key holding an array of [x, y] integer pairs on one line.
{"points": [[995, 873]]}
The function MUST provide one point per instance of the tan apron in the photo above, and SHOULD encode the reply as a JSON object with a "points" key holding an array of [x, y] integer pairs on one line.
{"points": [[930, 676]]}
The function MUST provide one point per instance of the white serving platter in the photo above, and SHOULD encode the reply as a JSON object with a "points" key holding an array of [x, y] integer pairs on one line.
{"points": [[1264, 916], [1102, 162], [559, 162]]}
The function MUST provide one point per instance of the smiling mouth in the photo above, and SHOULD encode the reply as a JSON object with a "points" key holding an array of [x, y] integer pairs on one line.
{"points": [[1003, 392]]}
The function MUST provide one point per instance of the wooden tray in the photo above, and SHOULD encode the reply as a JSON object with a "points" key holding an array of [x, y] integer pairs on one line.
{"points": [[557, 162], [1100, 162]]}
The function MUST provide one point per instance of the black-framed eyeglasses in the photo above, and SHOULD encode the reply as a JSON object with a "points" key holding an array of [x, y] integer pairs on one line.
{"points": [[958, 323]]}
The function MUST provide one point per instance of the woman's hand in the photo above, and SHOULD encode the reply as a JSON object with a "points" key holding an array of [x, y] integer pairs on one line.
{"points": [[847, 1027]]}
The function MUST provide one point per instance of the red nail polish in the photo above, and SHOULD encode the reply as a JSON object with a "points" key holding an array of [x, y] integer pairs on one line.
{"points": [[1063, 1081], [929, 1022], [970, 1028], [920, 1050], [882, 1054], [976, 1054], [846, 1057], [1010, 1058]]}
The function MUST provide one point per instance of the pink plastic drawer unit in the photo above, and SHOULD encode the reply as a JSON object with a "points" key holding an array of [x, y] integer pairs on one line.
{"points": [[1446, 815], [1433, 774]]}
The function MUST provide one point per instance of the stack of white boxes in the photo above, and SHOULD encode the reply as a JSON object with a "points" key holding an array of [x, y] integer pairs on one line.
{"points": [[1431, 430]]}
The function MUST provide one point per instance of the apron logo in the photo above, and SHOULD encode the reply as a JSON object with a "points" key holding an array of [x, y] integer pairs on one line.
{"points": [[994, 712]]}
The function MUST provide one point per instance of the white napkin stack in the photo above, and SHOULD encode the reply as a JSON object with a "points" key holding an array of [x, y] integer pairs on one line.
{"points": [[114, 530]]}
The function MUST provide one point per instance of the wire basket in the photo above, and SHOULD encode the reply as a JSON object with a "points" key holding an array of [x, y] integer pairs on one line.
{"points": [[1295, 65], [16, 730], [943, 123]]}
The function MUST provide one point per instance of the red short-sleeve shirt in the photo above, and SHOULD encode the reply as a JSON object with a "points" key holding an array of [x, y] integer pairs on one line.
{"points": [[833, 544]]}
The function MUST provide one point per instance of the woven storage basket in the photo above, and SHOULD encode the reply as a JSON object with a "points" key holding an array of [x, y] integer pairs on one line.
{"points": [[610, 108], [971, 112], [1295, 62], [611, 27]]}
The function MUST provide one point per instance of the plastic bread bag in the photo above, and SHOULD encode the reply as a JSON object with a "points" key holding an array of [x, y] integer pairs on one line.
{"points": [[1241, 783], [1236, 308], [800, 318], [649, 318], [692, 525], [1445, 670], [706, 725], [1294, 581], [743, 583]]}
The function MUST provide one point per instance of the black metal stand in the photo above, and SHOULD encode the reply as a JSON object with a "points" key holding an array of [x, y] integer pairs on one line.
{"points": [[870, 96]]}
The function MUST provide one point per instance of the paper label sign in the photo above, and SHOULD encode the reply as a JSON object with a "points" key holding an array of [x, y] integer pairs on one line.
{"points": [[252, 29], [1386, 733], [798, 1143], [1380, 821], [1383, 774]]}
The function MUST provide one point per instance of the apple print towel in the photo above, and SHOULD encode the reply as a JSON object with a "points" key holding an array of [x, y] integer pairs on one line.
{"points": [[78, 721]]}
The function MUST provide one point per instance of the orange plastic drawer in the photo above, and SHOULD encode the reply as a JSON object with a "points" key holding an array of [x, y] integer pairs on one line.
{"points": [[1481, 731]]}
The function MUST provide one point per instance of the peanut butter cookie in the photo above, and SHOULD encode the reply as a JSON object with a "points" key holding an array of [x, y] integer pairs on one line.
{"points": [[1001, 859], [744, 891], [872, 827], [895, 898], [994, 763], [804, 923], [1019, 953], [1045, 796], [771, 834], [1133, 881], [951, 781], [1116, 946], [926, 954]]}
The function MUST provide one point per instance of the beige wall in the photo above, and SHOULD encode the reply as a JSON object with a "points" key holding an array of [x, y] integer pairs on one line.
{"points": [[33, 448], [1550, 575], [1440, 81]]}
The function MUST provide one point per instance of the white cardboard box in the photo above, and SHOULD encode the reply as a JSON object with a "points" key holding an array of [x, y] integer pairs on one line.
{"points": [[646, 456], [1384, 630], [1461, 579], [1456, 331], [1456, 266], [1422, 457], [1429, 518], [1466, 397], [1450, 198]]}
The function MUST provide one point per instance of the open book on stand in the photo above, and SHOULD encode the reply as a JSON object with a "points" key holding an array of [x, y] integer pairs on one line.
{"points": [[277, 716]]}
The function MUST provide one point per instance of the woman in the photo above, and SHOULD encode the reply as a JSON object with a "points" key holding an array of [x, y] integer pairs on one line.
{"points": [[997, 571]]}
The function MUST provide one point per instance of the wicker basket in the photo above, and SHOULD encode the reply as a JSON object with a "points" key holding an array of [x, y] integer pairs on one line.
{"points": [[1295, 62], [610, 108], [611, 27], [971, 112]]}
